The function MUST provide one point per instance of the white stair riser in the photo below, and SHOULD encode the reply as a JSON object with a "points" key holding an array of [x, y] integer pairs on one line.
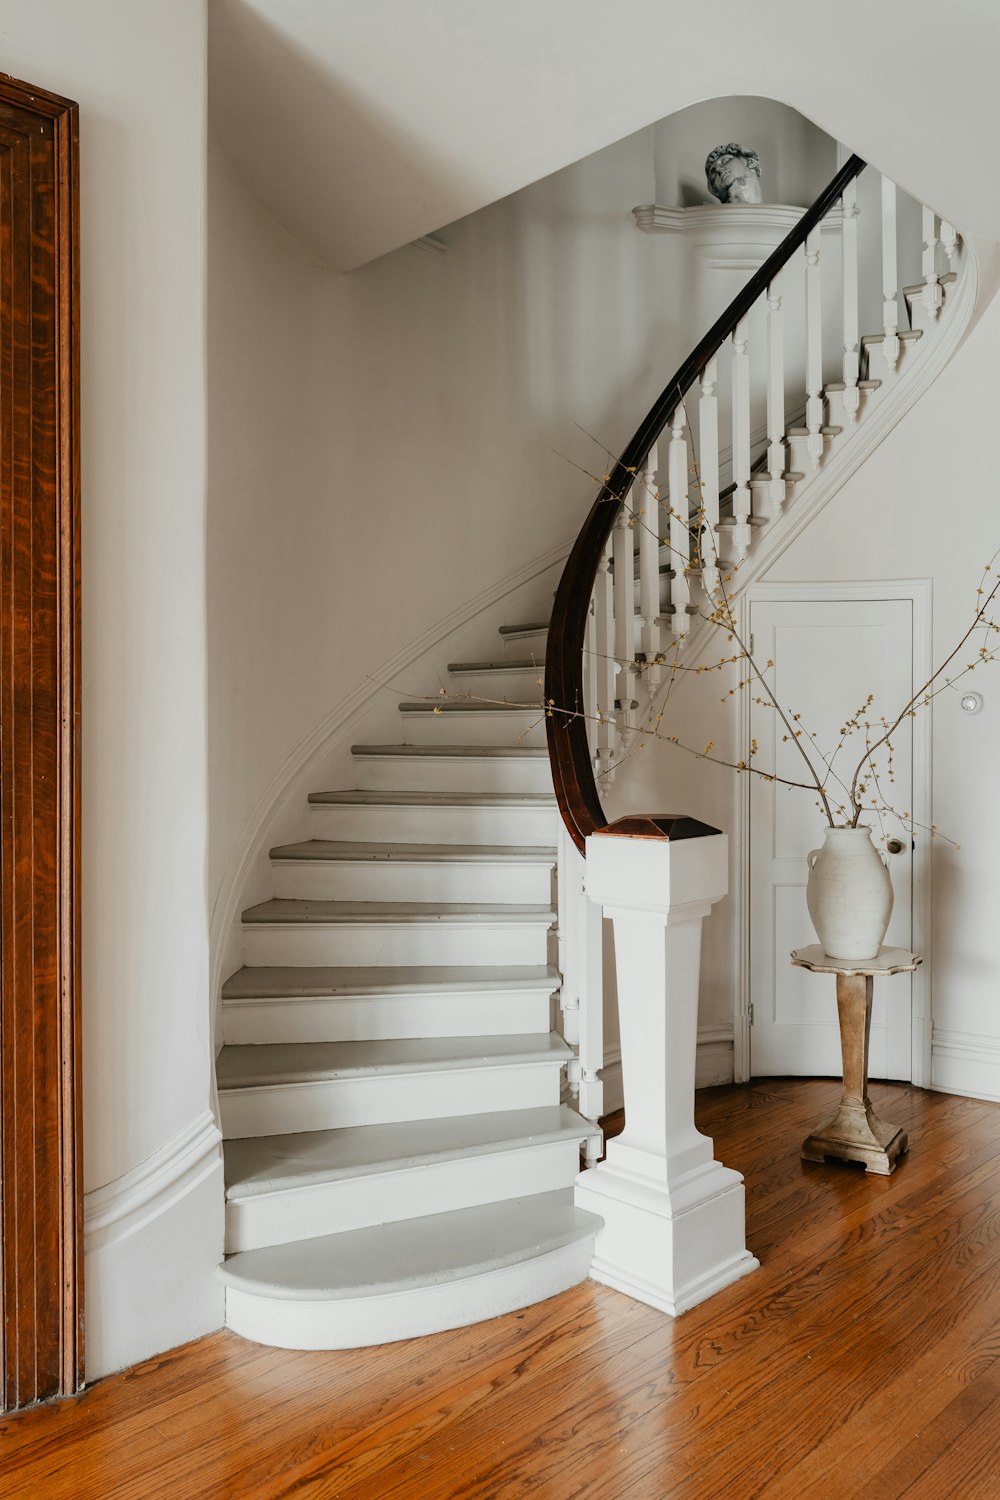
{"points": [[521, 686], [394, 880], [502, 728], [301, 1213], [799, 457], [372, 1018], [350, 943], [385, 823], [531, 645], [452, 774], [352, 1323], [386, 1098]]}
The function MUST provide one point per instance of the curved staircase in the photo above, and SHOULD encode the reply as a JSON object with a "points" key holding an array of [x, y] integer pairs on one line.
{"points": [[399, 1154], [398, 1158]]}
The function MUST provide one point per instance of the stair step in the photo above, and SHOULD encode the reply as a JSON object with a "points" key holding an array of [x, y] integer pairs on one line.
{"points": [[414, 1277], [511, 632], [287, 1087], [517, 639], [803, 432], [282, 1188], [863, 385], [438, 720], [332, 870], [471, 768], [517, 681], [330, 849], [948, 279], [282, 931], [905, 336], [440, 817], [327, 1004], [456, 752], [516, 664]]}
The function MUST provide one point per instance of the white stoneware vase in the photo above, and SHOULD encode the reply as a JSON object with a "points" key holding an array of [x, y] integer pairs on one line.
{"points": [[849, 894]]}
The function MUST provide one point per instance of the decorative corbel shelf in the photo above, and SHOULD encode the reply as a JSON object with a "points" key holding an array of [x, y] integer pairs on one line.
{"points": [[729, 236]]}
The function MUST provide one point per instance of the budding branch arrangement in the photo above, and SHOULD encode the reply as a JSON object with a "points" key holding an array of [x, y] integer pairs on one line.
{"points": [[842, 798]]}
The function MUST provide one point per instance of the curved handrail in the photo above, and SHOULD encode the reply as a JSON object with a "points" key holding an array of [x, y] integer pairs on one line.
{"points": [[569, 748]]}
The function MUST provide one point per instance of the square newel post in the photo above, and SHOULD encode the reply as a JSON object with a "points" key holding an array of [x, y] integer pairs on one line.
{"points": [[674, 1222]]}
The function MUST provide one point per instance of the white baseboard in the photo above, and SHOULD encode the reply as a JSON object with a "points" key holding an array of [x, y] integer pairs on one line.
{"points": [[966, 1062], [713, 1065], [153, 1240]]}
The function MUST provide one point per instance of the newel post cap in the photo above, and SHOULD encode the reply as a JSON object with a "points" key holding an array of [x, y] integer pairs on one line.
{"points": [[655, 863]]}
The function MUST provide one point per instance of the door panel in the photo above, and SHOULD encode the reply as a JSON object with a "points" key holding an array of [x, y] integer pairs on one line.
{"points": [[828, 655]]}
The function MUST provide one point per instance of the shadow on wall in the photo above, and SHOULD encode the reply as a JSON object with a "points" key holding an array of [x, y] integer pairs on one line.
{"points": [[299, 125]]}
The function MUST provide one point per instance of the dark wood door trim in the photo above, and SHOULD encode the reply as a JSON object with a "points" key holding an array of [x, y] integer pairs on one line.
{"points": [[41, 1198]]}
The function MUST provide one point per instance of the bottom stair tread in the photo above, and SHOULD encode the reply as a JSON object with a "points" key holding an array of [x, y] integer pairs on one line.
{"points": [[413, 1253], [274, 1163]]}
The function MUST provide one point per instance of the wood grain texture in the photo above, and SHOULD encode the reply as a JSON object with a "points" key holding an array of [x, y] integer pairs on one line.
{"points": [[41, 1348], [864, 1357]]}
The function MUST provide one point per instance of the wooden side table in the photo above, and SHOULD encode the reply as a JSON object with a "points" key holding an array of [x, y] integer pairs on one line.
{"points": [[855, 1132]]}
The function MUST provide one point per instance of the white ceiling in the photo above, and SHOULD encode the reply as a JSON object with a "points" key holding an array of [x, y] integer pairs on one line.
{"points": [[363, 124]]}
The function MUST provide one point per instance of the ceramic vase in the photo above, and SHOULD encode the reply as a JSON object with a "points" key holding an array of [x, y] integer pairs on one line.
{"points": [[849, 894]]}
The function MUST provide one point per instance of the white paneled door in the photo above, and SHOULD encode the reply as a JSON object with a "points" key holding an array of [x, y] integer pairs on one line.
{"points": [[829, 655]]}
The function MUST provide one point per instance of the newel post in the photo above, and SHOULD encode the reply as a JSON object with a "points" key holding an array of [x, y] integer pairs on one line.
{"points": [[674, 1223]]}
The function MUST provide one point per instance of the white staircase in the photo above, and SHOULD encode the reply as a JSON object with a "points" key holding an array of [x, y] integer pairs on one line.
{"points": [[399, 1153], [398, 1158]]}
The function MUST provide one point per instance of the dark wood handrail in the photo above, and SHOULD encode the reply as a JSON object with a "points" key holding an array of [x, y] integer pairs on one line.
{"points": [[566, 726]]}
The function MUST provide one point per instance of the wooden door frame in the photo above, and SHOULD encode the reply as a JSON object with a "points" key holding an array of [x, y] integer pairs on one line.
{"points": [[918, 593], [41, 1198]]}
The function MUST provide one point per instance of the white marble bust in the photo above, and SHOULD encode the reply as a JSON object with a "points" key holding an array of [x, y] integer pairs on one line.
{"points": [[733, 174]]}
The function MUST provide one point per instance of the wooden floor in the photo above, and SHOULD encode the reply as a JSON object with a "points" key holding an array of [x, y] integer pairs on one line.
{"points": [[863, 1358]]}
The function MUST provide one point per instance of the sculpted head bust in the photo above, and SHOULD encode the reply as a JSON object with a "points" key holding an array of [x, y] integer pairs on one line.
{"points": [[733, 174]]}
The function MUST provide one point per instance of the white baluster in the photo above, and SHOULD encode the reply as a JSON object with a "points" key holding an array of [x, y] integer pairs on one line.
{"points": [[775, 399], [741, 437], [569, 917], [604, 640], [647, 505], [680, 529], [624, 604], [932, 287], [591, 682], [890, 276], [949, 242], [814, 349], [708, 463], [590, 939], [852, 337]]}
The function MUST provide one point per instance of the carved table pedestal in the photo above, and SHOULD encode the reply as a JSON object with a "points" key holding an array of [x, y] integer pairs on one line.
{"points": [[855, 1132]]}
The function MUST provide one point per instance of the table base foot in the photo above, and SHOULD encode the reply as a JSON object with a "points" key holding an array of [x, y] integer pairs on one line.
{"points": [[855, 1133]]}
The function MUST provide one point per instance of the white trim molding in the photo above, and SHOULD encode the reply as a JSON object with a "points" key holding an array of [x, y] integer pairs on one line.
{"points": [[729, 236], [153, 1240], [966, 1062]]}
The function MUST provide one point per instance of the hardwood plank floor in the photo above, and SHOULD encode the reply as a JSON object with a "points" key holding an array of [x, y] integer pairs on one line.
{"points": [[863, 1357]]}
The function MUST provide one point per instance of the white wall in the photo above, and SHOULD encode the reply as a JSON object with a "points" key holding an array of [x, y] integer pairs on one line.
{"points": [[387, 445], [138, 74]]}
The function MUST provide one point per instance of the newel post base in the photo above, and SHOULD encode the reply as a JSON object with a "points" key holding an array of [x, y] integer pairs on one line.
{"points": [[674, 1222]]}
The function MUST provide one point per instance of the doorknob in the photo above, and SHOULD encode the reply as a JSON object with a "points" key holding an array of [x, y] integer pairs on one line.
{"points": [[895, 846]]}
